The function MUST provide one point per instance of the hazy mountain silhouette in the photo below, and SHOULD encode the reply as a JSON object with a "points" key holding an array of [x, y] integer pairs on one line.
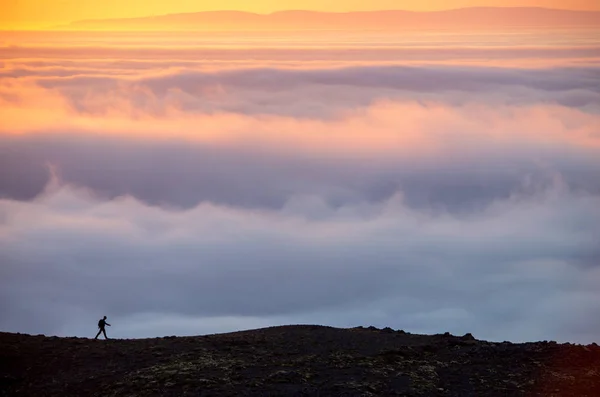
{"points": [[476, 17]]}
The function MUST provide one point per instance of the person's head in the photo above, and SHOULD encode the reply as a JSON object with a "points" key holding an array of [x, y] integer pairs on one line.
{"points": [[105, 317]]}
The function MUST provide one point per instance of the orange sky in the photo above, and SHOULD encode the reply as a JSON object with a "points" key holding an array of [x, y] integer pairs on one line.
{"points": [[32, 14]]}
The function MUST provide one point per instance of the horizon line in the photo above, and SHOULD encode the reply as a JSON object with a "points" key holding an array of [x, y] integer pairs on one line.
{"points": [[341, 12], [69, 26]]}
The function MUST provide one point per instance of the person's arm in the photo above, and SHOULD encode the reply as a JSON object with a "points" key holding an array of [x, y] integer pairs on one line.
{"points": [[108, 324]]}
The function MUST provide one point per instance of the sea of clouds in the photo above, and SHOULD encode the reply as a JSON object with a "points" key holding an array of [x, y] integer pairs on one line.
{"points": [[188, 190]]}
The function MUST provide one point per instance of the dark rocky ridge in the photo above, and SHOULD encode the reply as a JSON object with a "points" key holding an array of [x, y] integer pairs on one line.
{"points": [[296, 360]]}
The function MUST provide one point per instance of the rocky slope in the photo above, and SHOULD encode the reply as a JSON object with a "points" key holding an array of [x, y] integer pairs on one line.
{"points": [[296, 360]]}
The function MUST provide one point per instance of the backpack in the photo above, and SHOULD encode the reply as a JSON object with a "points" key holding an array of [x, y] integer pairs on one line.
{"points": [[100, 323]]}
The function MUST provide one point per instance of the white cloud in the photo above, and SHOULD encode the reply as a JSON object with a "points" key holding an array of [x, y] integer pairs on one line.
{"points": [[68, 253], [232, 189]]}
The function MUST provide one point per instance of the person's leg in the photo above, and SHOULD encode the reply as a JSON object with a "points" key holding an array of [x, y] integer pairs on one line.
{"points": [[98, 334], [104, 332]]}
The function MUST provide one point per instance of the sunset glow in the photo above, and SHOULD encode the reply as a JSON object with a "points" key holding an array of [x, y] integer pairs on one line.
{"points": [[39, 14]]}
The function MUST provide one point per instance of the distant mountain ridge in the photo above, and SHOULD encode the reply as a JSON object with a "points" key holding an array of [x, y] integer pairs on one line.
{"points": [[475, 17]]}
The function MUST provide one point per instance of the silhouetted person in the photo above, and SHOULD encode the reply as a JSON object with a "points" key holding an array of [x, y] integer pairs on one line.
{"points": [[101, 324]]}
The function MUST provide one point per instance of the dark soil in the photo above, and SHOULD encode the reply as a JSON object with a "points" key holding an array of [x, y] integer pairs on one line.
{"points": [[296, 361]]}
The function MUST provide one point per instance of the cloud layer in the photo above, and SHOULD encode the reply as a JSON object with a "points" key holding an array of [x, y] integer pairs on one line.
{"points": [[182, 194]]}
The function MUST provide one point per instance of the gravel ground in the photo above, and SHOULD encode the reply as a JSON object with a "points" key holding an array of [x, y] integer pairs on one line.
{"points": [[296, 361]]}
